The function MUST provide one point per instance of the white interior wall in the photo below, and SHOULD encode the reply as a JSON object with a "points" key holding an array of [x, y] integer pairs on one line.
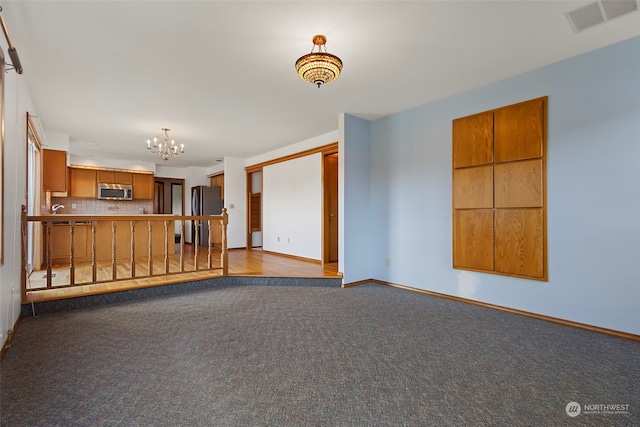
{"points": [[235, 200], [354, 192], [171, 172], [53, 140], [292, 207], [17, 102], [215, 169], [104, 162]]}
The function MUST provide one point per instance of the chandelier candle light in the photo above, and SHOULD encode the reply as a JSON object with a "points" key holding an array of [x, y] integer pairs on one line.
{"points": [[165, 149], [319, 67]]}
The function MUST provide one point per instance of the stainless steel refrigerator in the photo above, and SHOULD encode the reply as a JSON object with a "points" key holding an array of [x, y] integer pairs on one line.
{"points": [[204, 201]]}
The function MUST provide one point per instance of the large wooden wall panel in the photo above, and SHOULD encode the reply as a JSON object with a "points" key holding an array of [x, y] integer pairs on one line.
{"points": [[518, 184], [519, 131], [499, 186], [473, 140], [473, 239], [519, 242], [473, 187]]}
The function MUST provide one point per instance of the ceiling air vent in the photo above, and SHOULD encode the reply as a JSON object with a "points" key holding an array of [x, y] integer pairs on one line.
{"points": [[615, 8], [586, 16], [598, 12]]}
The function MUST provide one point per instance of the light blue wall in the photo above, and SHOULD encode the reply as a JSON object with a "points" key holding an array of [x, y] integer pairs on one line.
{"points": [[355, 202], [593, 180]]}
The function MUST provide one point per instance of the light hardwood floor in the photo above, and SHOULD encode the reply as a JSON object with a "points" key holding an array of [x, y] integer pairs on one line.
{"points": [[241, 263]]}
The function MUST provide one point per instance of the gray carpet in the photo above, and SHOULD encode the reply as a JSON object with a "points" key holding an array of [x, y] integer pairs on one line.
{"points": [[246, 355]]}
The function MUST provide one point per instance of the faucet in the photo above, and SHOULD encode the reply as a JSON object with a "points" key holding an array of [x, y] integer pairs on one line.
{"points": [[55, 208]]}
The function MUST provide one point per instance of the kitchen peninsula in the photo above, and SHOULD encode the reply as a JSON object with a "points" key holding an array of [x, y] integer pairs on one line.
{"points": [[117, 236]]}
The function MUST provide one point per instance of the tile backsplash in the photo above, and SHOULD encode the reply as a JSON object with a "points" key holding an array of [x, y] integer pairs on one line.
{"points": [[102, 207]]}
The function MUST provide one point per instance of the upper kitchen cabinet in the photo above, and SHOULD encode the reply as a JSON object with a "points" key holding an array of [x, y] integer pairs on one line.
{"points": [[54, 172], [218, 181], [115, 177], [83, 183], [142, 186]]}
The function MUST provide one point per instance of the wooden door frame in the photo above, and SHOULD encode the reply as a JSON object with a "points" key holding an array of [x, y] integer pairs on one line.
{"points": [[249, 183], [326, 228], [324, 149], [172, 181]]}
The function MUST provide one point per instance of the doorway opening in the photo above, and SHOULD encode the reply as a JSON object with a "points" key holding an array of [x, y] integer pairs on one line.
{"points": [[168, 198], [330, 217], [254, 212]]}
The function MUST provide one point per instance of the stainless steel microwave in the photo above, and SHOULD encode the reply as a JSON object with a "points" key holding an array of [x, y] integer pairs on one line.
{"points": [[115, 191]]}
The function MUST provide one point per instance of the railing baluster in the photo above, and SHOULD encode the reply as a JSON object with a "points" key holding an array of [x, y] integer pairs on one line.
{"points": [[149, 250], [114, 274], [224, 256], [72, 268], [209, 246], [133, 249], [166, 247], [195, 245], [49, 249], [181, 245], [94, 266]]}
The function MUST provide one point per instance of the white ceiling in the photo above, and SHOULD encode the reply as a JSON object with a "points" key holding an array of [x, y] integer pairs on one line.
{"points": [[221, 74]]}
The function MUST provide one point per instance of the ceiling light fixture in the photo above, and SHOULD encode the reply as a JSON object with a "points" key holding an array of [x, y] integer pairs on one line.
{"points": [[166, 148], [319, 67]]}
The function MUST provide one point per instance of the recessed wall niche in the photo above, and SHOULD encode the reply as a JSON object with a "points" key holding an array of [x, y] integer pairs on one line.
{"points": [[499, 191]]}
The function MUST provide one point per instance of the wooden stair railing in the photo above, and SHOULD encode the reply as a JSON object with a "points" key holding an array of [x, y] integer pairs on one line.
{"points": [[121, 250]]}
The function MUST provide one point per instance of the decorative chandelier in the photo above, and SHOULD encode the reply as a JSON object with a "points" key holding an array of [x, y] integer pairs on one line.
{"points": [[165, 149], [319, 67]]}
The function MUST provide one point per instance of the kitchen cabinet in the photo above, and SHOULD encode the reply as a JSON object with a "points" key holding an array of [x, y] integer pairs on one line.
{"points": [[218, 181], [54, 172], [83, 183], [115, 177], [105, 235], [143, 186], [82, 241], [61, 243]]}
